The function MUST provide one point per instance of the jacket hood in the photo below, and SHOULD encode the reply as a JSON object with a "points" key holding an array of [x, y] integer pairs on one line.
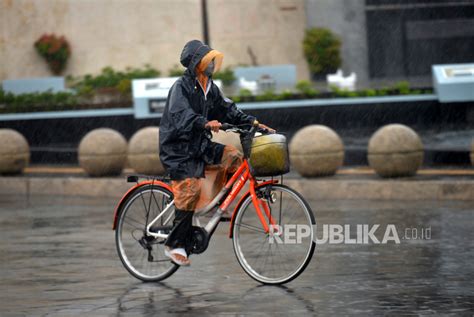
{"points": [[192, 54]]}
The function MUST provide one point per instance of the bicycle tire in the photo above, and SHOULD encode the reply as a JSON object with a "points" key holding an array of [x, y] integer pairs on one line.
{"points": [[138, 196], [238, 247]]}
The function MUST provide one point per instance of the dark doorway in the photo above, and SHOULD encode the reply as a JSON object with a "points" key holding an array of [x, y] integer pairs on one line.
{"points": [[406, 37]]}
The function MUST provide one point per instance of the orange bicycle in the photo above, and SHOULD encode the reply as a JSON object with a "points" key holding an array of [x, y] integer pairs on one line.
{"points": [[272, 226]]}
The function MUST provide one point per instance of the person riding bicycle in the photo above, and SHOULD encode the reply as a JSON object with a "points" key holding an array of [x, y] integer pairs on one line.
{"points": [[195, 105]]}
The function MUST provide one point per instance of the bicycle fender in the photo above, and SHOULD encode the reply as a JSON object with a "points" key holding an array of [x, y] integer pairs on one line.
{"points": [[129, 192], [237, 207]]}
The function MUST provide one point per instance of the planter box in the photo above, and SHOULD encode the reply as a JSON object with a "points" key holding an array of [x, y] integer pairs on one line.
{"points": [[31, 85]]}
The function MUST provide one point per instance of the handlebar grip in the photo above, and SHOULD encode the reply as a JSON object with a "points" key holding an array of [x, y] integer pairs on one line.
{"points": [[226, 126]]}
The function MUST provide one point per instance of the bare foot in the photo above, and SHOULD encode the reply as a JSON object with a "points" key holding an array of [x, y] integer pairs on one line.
{"points": [[178, 256], [182, 259]]}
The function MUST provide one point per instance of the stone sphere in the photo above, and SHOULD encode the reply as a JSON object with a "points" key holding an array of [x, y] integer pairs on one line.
{"points": [[14, 152], [316, 150], [228, 138], [395, 150], [143, 152], [103, 152]]}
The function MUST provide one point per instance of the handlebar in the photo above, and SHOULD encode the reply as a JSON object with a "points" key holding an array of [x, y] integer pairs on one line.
{"points": [[226, 126], [247, 133], [249, 128]]}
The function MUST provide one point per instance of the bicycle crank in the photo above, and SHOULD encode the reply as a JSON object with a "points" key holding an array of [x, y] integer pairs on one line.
{"points": [[199, 240]]}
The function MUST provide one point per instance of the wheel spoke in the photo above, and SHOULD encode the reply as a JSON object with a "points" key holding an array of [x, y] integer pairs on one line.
{"points": [[142, 225], [260, 259], [143, 206], [259, 251], [250, 227]]}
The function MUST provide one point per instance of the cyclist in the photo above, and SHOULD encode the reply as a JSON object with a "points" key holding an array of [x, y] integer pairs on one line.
{"points": [[194, 106]]}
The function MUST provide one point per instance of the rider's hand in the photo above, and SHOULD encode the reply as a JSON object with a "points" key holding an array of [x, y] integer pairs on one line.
{"points": [[213, 125], [264, 127]]}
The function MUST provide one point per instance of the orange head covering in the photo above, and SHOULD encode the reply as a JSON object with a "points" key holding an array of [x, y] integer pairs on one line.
{"points": [[201, 67]]}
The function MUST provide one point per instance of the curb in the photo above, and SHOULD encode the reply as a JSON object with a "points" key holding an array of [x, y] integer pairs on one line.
{"points": [[318, 189], [385, 189]]}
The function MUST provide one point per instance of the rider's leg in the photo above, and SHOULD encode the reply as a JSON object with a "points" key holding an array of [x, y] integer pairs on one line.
{"points": [[231, 159], [186, 195], [230, 162], [181, 224]]}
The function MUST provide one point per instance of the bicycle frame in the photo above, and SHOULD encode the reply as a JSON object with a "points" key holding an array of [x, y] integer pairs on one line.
{"points": [[231, 190]]}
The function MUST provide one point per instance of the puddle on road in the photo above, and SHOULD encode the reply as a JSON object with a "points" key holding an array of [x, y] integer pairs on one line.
{"points": [[59, 257]]}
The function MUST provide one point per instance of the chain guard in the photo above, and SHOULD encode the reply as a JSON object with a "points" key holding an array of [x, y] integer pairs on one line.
{"points": [[199, 240]]}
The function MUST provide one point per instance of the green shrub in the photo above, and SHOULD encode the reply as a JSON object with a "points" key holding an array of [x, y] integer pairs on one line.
{"points": [[33, 101], [344, 93], [125, 86], [267, 95], [86, 91], [303, 85], [8, 98], [244, 95], [403, 87], [306, 88], [384, 91], [109, 78], [176, 71], [322, 50], [286, 94], [245, 92], [352, 94], [336, 91], [368, 93], [226, 75]]}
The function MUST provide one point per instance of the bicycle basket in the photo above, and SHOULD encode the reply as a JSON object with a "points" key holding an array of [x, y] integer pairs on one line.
{"points": [[269, 155]]}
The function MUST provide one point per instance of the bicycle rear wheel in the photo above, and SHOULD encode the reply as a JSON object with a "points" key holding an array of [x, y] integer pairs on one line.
{"points": [[141, 254], [279, 257]]}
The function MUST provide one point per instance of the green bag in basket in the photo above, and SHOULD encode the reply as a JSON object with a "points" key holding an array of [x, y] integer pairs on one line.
{"points": [[269, 155]]}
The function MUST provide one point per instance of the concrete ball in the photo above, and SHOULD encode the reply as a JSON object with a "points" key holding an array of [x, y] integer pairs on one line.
{"points": [[228, 138], [395, 150], [143, 152], [103, 152], [316, 150], [14, 152]]}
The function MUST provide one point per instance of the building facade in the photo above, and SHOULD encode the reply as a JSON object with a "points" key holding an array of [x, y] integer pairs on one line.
{"points": [[121, 33], [381, 39], [397, 39]]}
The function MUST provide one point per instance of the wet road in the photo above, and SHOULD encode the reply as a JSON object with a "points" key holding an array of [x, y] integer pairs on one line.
{"points": [[58, 258]]}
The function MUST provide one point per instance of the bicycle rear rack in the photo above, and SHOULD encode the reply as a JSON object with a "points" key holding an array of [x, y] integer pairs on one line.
{"points": [[134, 178]]}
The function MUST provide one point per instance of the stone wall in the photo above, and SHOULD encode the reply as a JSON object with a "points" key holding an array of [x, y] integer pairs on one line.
{"points": [[121, 33]]}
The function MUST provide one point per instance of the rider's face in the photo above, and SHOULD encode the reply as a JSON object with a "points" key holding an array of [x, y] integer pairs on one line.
{"points": [[210, 69]]}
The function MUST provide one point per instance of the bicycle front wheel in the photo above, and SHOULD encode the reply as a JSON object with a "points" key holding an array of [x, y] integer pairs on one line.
{"points": [[278, 256], [142, 254]]}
